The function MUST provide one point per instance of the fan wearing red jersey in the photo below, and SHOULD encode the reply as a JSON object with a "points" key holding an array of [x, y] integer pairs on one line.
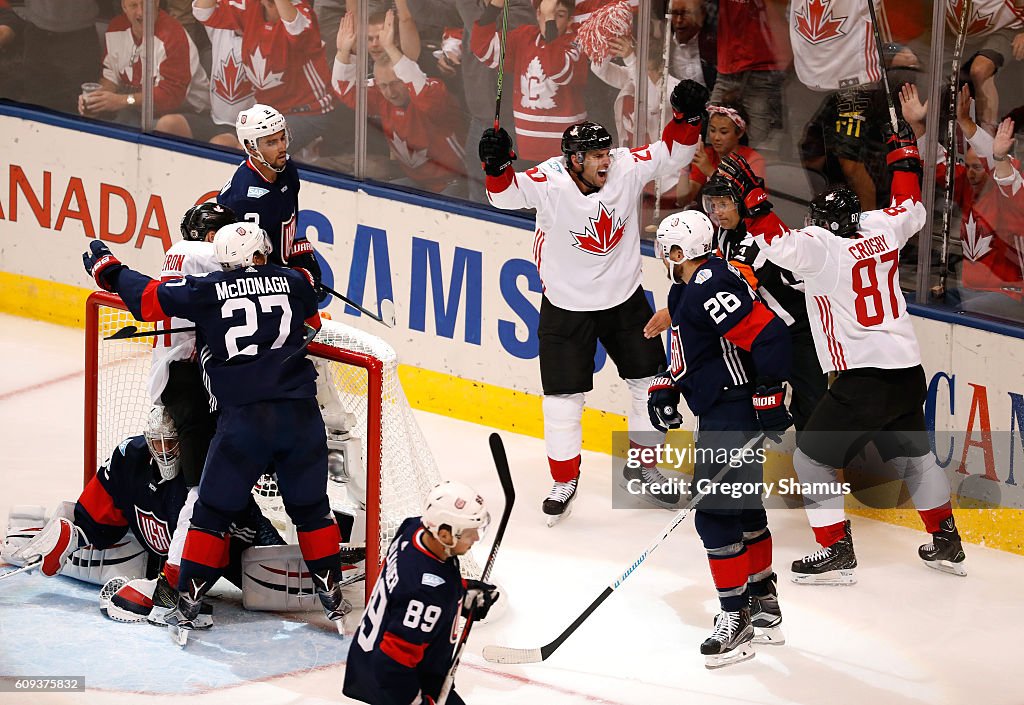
{"points": [[849, 262], [547, 70], [422, 131], [587, 250]]}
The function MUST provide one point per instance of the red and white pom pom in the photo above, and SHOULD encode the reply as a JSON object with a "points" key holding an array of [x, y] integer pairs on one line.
{"points": [[613, 20]]}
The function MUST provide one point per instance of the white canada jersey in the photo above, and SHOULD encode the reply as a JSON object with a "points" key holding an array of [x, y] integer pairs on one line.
{"points": [[987, 16], [833, 44], [587, 248], [854, 302], [185, 257]]}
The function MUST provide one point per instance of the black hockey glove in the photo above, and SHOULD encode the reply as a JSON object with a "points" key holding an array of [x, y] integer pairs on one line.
{"points": [[101, 264], [903, 152], [663, 404], [689, 99], [483, 595], [305, 257], [753, 198], [495, 151], [770, 406]]}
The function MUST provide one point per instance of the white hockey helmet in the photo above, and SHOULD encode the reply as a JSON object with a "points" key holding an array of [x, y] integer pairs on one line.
{"points": [[236, 245], [259, 121], [162, 439], [456, 506], [690, 231]]}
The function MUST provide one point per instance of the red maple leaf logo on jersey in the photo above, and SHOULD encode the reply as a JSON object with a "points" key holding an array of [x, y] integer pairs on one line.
{"points": [[978, 22], [816, 24], [602, 235], [231, 82]]}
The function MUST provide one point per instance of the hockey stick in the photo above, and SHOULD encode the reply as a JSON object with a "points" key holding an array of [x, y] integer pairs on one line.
{"points": [[951, 151], [133, 332], [505, 476], [23, 569], [504, 654], [501, 63], [656, 216], [387, 307], [881, 66]]}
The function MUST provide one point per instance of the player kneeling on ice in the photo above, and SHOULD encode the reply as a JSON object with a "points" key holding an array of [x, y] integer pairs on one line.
{"points": [[729, 357], [253, 318], [403, 647], [139, 489], [849, 262]]}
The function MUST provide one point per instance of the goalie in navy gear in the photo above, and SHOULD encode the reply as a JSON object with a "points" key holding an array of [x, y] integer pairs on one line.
{"points": [[252, 320], [265, 187], [729, 356], [402, 649]]}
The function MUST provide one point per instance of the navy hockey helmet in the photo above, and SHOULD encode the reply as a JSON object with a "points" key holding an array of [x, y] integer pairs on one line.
{"points": [[584, 137], [837, 210], [201, 219]]}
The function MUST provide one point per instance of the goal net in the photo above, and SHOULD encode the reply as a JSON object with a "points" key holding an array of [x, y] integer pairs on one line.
{"points": [[358, 371]]}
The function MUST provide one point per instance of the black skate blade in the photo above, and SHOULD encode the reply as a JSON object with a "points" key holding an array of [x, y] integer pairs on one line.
{"points": [[832, 577], [769, 636], [959, 569], [743, 652]]}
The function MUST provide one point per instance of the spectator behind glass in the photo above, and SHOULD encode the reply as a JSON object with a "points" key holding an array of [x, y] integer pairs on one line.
{"points": [[62, 50], [415, 111], [330, 12], [179, 82], [231, 92], [283, 56], [12, 67], [546, 70], [995, 34], [727, 128], [753, 55]]}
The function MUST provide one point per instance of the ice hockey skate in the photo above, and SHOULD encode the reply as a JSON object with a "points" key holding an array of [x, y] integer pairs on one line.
{"points": [[650, 479], [335, 604], [833, 565], [766, 617], [945, 552], [732, 640], [558, 504], [183, 619]]}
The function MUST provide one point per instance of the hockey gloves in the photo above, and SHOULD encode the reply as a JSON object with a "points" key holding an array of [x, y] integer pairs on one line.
{"points": [[52, 546], [102, 265], [750, 187], [663, 404], [483, 595], [689, 99], [903, 153], [495, 151], [770, 406]]}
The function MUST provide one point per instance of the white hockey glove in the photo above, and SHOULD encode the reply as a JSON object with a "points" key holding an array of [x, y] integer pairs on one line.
{"points": [[52, 547], [484, 595]]}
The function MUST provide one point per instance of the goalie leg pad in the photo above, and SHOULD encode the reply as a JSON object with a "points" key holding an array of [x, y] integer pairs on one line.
{"points": [[130, 601], [275, 578], [24, 522], [126, 558]]}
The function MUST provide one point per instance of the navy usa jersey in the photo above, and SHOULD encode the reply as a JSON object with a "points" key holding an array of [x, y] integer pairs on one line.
{"points": [[722, 336], [251, 325], [272, 205], [127, 493], [403, 647]]}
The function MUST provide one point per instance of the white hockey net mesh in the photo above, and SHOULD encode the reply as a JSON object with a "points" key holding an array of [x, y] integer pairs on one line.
{"points": [[117, 403]]}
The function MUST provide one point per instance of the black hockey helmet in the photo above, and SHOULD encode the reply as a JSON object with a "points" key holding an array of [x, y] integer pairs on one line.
{"points": [[837, 210], [199, 220], [584, 137]]}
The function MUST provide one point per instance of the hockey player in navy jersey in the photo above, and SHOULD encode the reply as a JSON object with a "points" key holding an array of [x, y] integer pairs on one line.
{"points": [[265, 187], [252, 320], [729, 358], [402, 649], [849, 262]]}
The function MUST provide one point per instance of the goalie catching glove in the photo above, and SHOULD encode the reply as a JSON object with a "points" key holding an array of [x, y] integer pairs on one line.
{"points": [[52, 547], [770, 406], [483, 595], [101, 265], [663, 404]]}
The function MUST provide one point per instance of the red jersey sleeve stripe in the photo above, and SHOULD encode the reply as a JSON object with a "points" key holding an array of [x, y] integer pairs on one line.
{"points": [[743, 333], [905, 187], [98, 503], [497, 184], [151, 309], [402, 651]]}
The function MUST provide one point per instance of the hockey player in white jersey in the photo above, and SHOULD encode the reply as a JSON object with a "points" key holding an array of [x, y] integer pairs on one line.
{"points": [[587, 250], [850, 265]]}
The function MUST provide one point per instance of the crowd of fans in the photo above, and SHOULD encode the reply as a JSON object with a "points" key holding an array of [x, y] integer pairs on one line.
{"points": [[796, 89]]}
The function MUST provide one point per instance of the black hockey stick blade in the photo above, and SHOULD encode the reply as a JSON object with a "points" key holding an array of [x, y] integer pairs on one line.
{"points": [[505, 654], [387, 307], [133, 332]]}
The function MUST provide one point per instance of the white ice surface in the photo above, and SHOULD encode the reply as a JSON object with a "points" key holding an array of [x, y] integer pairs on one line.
{"points": [[903, 634]]}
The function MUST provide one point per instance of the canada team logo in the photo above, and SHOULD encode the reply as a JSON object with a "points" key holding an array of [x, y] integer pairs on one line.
{"points": [[154, 530], [815, 22], [603, 234]]}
